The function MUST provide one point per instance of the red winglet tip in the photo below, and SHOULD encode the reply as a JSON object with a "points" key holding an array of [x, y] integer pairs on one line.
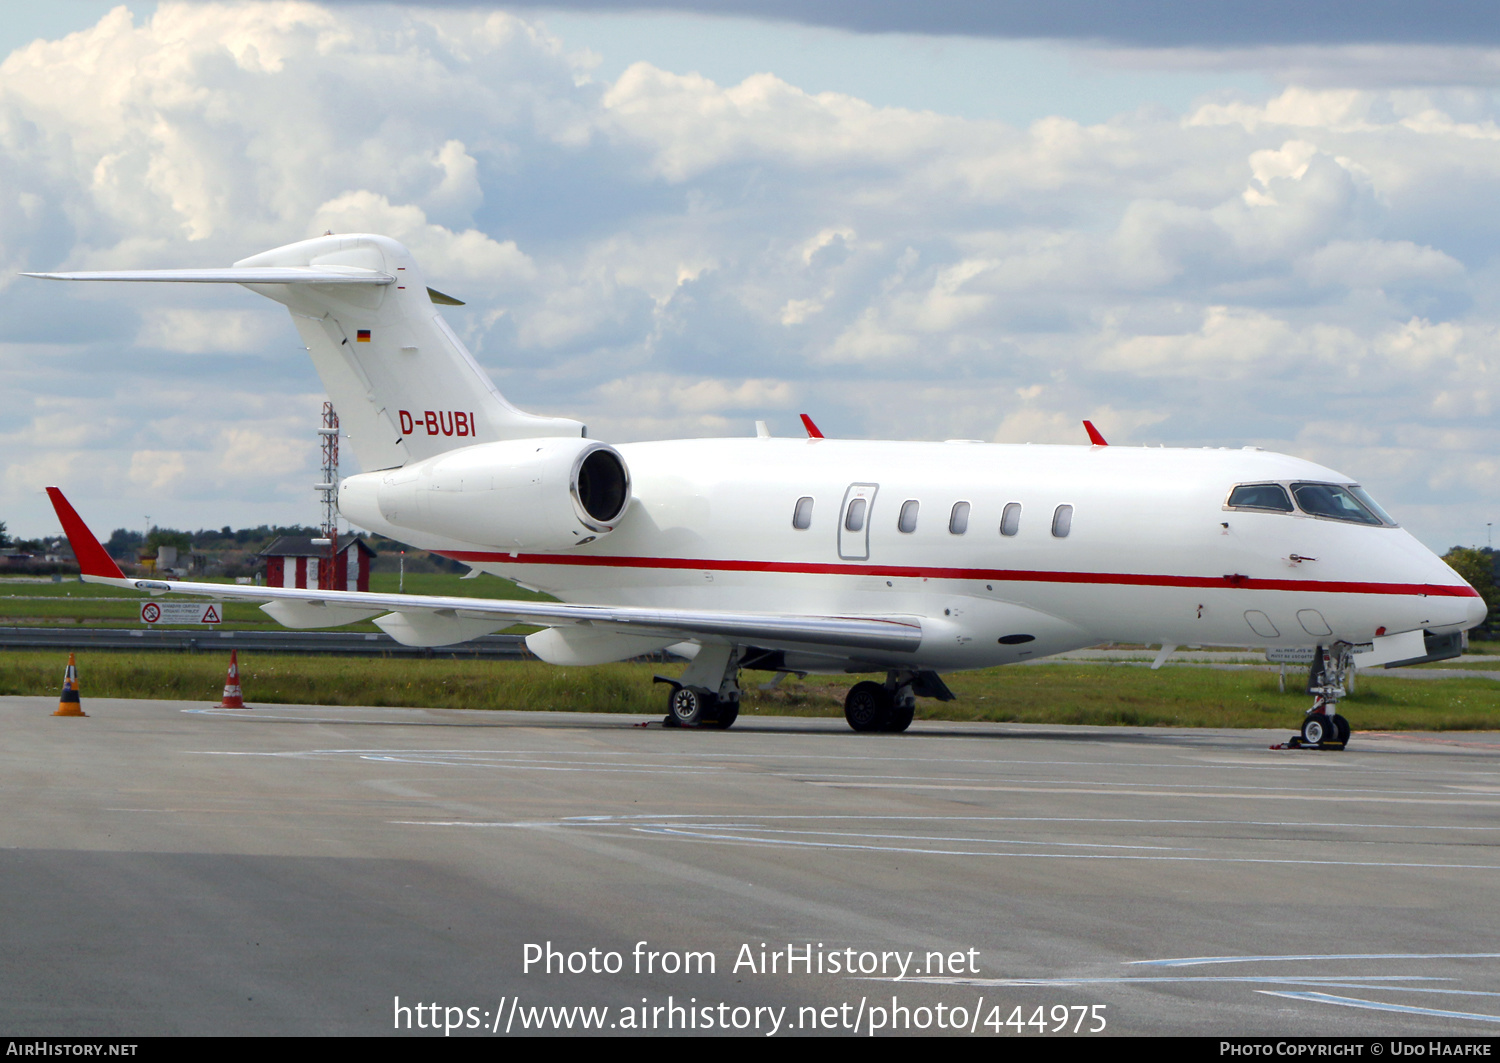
{"points": [[812, 429], [93, 559], [1094, 437]]}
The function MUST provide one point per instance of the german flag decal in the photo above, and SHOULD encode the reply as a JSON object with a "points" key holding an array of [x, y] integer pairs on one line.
{"points": [[363, 336]]}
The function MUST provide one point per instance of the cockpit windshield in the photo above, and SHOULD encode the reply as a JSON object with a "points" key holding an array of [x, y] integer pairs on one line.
{"points": [[1347, 502], [1260, 496]]}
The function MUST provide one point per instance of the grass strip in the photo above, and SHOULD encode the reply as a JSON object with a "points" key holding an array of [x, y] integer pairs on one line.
{"points": [[1180, 696]]}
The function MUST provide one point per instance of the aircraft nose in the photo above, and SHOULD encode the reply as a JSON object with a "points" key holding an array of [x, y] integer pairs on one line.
{"points": [[1477, 612]]}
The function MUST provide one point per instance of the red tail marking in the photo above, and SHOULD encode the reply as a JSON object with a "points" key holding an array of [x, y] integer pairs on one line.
{"points": [[812, 429], [1094, 436], [92, 557]]}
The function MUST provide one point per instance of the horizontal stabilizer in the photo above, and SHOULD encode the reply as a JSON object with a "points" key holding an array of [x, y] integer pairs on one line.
{"points": [[233, 275]]}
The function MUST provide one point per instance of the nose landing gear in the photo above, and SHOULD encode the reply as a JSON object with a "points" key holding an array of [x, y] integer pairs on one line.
{"points": [[1323, 727]]}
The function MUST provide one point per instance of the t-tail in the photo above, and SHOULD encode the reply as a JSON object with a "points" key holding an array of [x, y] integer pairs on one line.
{"points": [[405, 386]]}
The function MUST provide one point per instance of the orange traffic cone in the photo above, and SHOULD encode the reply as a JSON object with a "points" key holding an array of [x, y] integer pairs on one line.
{"points": [[233, 698], [69, 704]]}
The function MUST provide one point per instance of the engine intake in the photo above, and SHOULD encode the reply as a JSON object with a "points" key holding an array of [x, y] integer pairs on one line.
{"points": [[601, 487], [521, 494]]}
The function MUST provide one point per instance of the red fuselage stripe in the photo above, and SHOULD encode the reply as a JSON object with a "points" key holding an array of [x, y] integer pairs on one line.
{"points": [[1126, 579]]}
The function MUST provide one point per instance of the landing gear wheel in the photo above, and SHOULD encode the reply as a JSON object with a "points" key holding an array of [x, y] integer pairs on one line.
{"points": [[1318, 728], [686, 707], [867, 706], [725, 715], [900, 718], [1341, 730]]}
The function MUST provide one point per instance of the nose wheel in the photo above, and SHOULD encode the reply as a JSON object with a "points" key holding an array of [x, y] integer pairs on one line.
{"points": [[1323, 727], [1325, 731]]}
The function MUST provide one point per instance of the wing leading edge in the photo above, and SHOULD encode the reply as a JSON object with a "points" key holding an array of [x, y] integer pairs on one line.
{"points": [[436, 620]]}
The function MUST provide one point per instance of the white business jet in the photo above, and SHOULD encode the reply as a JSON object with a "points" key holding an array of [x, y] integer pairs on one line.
{"points": [[813, 555]]}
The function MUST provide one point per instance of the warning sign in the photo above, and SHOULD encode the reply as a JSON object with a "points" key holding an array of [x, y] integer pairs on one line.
{"points": [[182, 612], [1290, 654]]}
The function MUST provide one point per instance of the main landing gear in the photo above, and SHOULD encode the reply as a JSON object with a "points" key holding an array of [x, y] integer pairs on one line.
{"points": [[708, 694], [1323, 727], [887, 706], [687, 707]]}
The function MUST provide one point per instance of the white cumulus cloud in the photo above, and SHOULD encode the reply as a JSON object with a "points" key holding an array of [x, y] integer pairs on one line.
{"points": [[1311, 270]]}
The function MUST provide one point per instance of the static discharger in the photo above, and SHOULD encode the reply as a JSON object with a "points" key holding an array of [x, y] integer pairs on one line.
{"points": [[233, 697], [69, 704]]}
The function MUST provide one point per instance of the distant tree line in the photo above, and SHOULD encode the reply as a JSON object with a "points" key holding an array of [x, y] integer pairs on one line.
{"points": [[125, 544]]}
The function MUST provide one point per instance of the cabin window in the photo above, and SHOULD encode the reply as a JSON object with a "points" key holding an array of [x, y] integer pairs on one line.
{"points": [[907, 522], [1346, 502], [802, 515], [1260, 496], [854, 520], [958, 520], [1010, 520], [1062, 521]]}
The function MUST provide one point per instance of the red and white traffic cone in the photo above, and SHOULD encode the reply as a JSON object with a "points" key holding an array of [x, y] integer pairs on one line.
{"points": [[233, 698], [69, 704]]}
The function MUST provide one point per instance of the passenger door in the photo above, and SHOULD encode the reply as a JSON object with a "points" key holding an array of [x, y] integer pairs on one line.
{"points": [[854, 522]]}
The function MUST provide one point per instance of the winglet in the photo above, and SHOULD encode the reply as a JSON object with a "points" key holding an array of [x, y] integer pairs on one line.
{"points": [[1094, 437], [812, 429], [93, 559]]}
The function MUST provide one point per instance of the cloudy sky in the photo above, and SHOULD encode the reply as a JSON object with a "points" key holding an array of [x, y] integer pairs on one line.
{"points": [[1194, 226]]}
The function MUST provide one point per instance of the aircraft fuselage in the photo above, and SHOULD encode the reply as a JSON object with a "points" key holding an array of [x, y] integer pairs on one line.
{"points": [[1152, 552]]}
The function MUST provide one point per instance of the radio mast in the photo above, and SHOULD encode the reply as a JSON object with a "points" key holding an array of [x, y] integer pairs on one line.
{"points": [[329, 487]]}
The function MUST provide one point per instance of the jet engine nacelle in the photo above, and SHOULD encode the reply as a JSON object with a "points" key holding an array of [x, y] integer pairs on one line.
{"points": [[520, 494]]}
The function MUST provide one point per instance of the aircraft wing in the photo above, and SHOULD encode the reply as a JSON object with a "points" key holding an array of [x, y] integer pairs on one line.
{"points": [[436, 620]]}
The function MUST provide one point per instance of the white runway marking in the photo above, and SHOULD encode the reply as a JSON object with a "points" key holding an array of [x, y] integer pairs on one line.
{"points": [[1376, 1005], [1236, 795], [749, 831], [771, 843], [900, 782], [1194, 961], [1326, 980], [440, 761], [1314, 989], [738, 819], [1127, 820], [657, 762], [685, 829]]}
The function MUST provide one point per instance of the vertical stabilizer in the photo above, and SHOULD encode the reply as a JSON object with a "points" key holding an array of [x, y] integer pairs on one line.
{"points": [[402, 381]]}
